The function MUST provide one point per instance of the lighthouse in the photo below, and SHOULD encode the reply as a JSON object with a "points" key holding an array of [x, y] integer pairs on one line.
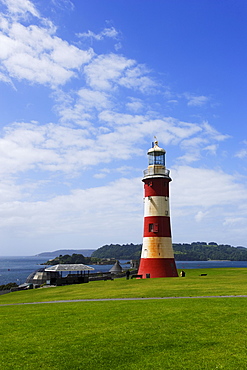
{"points": [[157, 257]]}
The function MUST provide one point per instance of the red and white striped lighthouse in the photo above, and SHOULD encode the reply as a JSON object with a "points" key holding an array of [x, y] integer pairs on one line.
{"points": [[157, 257]]}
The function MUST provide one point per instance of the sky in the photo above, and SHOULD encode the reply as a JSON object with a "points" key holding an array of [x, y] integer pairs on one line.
{"points": [[84, 88]]}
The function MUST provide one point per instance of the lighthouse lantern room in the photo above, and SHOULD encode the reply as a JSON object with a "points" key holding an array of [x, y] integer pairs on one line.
{"points": [[157, 257]]}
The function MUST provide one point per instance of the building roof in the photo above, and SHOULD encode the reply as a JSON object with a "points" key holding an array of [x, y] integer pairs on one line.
{"points": [[116, 267], [70, 267]]}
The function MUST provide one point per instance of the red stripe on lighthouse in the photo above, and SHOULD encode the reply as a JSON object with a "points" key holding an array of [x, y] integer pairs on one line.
{"points": [[157, 267], [157, 226], [159, 186]]}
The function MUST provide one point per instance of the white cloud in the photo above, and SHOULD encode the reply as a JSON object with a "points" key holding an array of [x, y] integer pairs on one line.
{"points": [[42, 71], [64, 4], [93, 99], [105, 70], [123, 170], [173, 101], [107, 32], [6, 79], [205, 141], [211, 149], [115, 118], [239, 221], [242, 153], [70, 150], [58, 148], [181, 129], [213, 133], [9, 191], [110, 32], [169, 130], [20, 7], [192, 147], [103, 120], [81, 107], [36, 54], [118, 46], [52, 147], [135, 105], [207, 204], [136, 78], [48, 147], [200, 216], [99, 175], [196, 101], [205, 188], [198, 197], [194, 142], [71, 216], [111, 71]]}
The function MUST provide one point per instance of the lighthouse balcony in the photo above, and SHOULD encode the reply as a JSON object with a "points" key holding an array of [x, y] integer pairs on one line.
{"points": [[156, 171]]}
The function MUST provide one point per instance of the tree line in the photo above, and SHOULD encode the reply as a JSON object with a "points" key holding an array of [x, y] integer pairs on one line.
{"points": [[119, 252], [196, 251]]}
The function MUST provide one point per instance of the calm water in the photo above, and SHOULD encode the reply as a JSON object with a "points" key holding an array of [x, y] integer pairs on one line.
{"points": [[17, 269]]}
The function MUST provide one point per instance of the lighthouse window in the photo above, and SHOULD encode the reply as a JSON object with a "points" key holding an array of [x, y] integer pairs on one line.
{"points": [[153, 228], [157, 159]]}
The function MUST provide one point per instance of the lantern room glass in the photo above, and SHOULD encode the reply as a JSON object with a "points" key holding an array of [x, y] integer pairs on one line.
{"points": [[156, 158]]}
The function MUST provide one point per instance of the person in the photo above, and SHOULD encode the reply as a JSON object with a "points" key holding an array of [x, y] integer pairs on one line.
{"points": [[127, 274]]}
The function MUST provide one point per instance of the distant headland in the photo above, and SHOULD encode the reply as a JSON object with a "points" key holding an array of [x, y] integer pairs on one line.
{"points": [[59, 252]]}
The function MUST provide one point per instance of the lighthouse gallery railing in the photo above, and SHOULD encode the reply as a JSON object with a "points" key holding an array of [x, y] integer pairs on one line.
{"points": [[156, 171]]}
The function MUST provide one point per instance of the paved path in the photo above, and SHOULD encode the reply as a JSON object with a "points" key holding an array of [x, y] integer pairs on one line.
{"points": [[122, 299]]}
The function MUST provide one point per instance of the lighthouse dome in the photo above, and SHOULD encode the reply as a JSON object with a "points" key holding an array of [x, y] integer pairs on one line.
{"points": [[156, 150]]}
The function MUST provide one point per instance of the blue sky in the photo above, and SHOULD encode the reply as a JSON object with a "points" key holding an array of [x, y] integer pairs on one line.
{"points": [[86, 85]]}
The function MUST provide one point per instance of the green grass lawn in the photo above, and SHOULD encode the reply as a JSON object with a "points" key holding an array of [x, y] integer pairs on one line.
{"points": [[167, 334], [203, 333], [222, 281]]}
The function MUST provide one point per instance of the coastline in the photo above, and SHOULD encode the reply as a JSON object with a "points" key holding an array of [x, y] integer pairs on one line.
{"points": [[17, 269]]}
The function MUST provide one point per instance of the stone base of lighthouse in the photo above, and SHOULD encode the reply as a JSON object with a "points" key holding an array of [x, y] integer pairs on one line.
{"points": [[157, 267]]}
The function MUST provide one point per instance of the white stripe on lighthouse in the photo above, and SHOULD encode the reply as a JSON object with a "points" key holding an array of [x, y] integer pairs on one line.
{"points": [[157, 247], [156, 206]]}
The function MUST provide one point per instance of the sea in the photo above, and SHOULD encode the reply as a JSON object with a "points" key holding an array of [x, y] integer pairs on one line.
{"points": [[17, 269]]}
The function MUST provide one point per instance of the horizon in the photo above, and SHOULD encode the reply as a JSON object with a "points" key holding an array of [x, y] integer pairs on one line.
{"points": [[85, 87], [58, 250]]}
